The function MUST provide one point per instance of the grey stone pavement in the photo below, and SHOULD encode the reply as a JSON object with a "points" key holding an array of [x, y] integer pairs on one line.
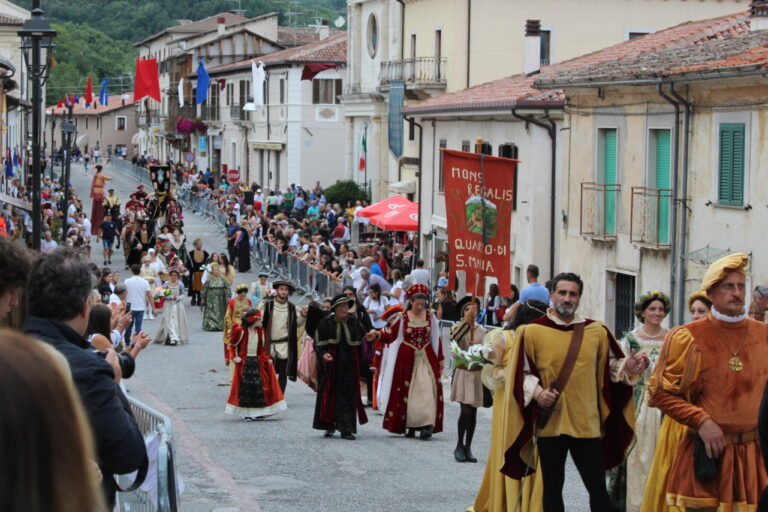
{"points": [[282, 464]]}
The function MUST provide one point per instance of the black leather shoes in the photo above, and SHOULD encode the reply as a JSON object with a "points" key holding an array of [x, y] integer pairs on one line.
{"points": [[459, 454], [468, 455], [348, 436], [329, 433], [426, 433]]}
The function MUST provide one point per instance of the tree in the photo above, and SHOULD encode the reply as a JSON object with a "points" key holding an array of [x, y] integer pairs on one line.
{"points": [[343, 191], [81, 52]]}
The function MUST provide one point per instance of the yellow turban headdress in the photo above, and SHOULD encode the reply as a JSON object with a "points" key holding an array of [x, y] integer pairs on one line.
{"points": [[719, 269]]}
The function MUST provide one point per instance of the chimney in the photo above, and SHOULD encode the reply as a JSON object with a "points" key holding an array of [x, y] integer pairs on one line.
{"points": [[221, 24], [532, 47], [758, 15], [324, 30]]}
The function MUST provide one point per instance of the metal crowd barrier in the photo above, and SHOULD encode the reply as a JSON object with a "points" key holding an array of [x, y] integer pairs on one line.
{"points": [[126, 167], [159, 496]]}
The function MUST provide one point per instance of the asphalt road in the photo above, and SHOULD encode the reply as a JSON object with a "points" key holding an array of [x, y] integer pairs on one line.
{"points": [[282, 464]]}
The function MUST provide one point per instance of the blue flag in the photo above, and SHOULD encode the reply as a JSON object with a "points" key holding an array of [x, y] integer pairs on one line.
{"points": [[104, 94], [203, 81]]}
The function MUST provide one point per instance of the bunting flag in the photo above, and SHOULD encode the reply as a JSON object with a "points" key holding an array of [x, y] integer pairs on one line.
{"points": [[222, 83], [67, 102], [310, 70], [181, 92], [104, 93], [203, 82], [76, 99], [89, 92], [60, 104], [147, 80], [8, 163], [16, 160]]}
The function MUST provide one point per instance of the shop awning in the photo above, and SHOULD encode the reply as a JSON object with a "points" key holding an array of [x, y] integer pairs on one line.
{"points": [[387, 205], [403, 219], [136, 138], [82, 140], [403, 187]]}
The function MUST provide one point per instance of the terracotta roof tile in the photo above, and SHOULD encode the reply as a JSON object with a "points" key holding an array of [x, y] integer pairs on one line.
{"points": [[295, 36], [330, 50], [519, 90], [10, 20], [115, 102]]}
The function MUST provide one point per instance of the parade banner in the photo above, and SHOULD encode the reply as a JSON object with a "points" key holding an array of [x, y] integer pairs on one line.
{"points": [[479, 230]]}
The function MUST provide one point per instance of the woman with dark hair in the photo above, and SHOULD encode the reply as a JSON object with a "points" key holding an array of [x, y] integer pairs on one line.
{"points": [[255, 391], [498, 492], [492, 303], [375, 305], [47, 444], [227, 270], [107, 327], [104, 287], [243, 249]]}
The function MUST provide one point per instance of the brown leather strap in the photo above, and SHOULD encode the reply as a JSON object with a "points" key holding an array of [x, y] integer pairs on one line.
{"points": [[570, 358], [565, 374]]}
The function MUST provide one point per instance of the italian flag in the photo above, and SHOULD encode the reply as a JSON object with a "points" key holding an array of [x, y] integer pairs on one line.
{"points": [[363, 151]]}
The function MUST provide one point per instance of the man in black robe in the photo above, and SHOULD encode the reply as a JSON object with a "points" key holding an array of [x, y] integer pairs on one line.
{"points": [[339, 337]]}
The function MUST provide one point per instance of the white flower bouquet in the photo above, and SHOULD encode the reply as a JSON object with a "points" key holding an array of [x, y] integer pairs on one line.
{"points": [[476, 355]]}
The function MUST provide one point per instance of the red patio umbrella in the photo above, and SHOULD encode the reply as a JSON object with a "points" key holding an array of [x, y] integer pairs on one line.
{"points": [[393, 203], [402, 219]]}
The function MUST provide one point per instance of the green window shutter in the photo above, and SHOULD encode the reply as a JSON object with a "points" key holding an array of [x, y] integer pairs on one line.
{"points": [[663, 160], [731, 165], [609, 178]]}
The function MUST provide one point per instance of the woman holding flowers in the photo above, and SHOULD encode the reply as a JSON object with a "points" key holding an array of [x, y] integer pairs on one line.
{"points": [[174, 328], [466, 386], [499, 493]]}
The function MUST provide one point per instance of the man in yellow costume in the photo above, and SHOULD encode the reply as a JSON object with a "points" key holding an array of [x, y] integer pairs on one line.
{"points": [[578, 377], [710, 377]]}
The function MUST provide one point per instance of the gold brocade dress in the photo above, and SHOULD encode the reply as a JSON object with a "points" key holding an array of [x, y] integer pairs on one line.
{"points": [[499, 493]]}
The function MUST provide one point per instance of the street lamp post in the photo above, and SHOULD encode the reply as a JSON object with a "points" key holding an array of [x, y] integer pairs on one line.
{"points": [[68, 131], [37, 37], [52, 116]]}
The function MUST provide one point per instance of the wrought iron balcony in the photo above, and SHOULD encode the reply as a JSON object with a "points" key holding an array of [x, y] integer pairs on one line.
{"points": [[208, 113], [236, 113], [650, 214], [421, 71], [146, 117], [599, 203]]}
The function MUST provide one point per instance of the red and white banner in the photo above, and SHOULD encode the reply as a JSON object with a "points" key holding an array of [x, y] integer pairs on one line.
{"points": [[467, 181]]}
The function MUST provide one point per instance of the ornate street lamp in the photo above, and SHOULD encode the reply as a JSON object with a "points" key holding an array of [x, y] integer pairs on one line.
{"points": [[37, 44], [68, 134]]}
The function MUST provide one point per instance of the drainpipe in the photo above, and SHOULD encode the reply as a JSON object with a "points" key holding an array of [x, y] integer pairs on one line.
{"points": [[402, 30], [681, 300], [675, 174], [412, 123], [469, 37], [552, 132]]}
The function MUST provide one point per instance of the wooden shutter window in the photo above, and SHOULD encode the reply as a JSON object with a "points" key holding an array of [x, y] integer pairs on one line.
{"points": [[731, 165], [663, 160], [609, 178]]}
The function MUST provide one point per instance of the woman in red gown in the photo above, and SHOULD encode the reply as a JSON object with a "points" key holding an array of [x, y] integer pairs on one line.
{"points": [[255, 392], [411, 393]]}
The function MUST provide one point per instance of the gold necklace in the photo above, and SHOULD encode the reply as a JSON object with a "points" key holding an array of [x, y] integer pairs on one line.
{"points": [[735, 363], [654, 336]]}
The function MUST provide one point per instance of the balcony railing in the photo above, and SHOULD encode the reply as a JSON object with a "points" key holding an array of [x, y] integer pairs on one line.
{"points": [[649, 225], [421, 71], [208, 113], [147, 117], [188, 111], [599, 202], [236, 113]]}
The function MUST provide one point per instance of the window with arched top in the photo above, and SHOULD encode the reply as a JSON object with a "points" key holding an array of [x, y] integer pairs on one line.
{"points": [[373, 35]]}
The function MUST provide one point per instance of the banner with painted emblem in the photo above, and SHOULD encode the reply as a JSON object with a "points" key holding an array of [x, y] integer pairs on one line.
{"points": [[479, 195]]}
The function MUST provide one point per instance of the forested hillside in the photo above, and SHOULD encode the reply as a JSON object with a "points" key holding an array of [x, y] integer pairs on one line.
{"points": [[95, 36]]}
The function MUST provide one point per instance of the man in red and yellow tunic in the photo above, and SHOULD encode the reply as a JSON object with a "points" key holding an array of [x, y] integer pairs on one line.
{"points": [[710, 377], [592, 414]]}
